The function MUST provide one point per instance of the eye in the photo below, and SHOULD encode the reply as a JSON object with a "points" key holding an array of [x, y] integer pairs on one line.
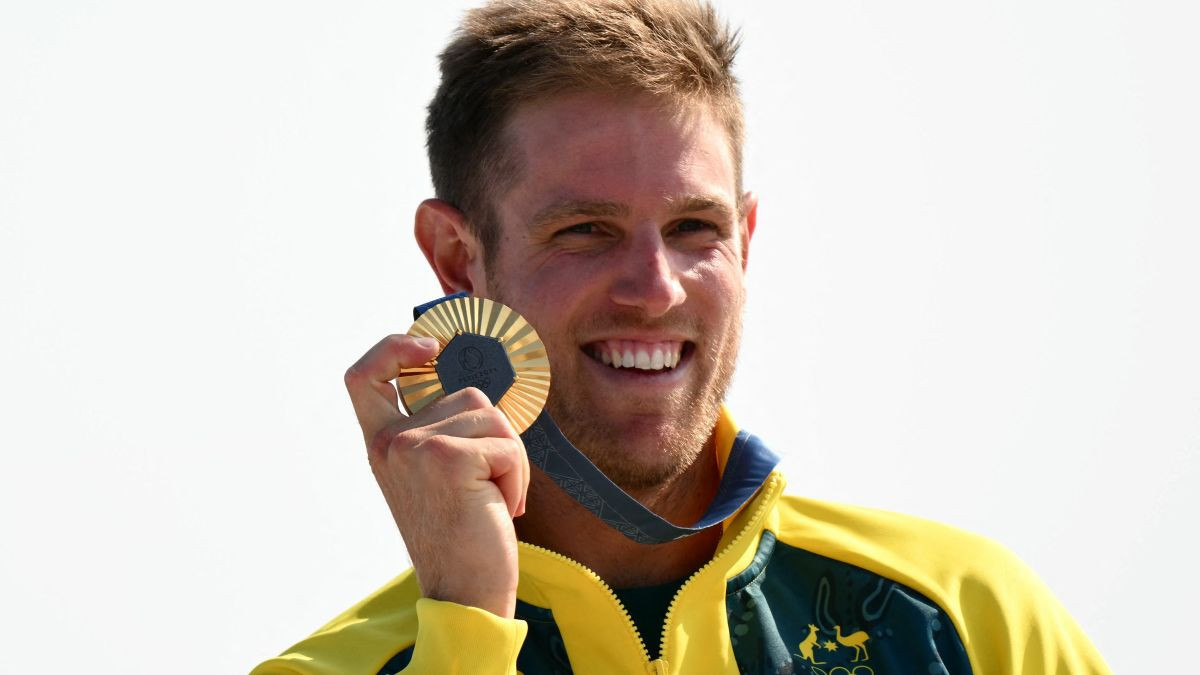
{"points": [[693, 225], [580, 228]]}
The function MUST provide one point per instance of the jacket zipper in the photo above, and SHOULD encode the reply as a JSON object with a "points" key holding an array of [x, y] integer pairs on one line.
{"points": [[607, 589], [765, 502]]}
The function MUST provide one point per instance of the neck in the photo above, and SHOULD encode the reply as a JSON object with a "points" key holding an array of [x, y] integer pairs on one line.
{"points": [[555, 521]]}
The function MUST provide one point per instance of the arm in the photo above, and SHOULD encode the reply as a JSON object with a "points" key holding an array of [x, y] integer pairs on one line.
{"points": [[454, 475], [425, 636]]}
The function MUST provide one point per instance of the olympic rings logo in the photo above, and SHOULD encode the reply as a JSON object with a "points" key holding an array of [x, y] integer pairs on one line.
{"points": [[842, 670]]}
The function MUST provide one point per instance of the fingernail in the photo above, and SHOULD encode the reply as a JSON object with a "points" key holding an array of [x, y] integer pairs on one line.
{"points": [[427, 342]]}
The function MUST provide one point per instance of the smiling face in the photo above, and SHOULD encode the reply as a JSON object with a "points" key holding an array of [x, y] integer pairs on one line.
{"points": [[621, 242]]}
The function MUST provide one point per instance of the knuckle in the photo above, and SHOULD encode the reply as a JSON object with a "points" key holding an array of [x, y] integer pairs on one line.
{"points": [[496, 420], [514, 447], [442, 454], [476, 398], [487, 416], [381, 442], [440, 446], [390, 441], [404, 440]]}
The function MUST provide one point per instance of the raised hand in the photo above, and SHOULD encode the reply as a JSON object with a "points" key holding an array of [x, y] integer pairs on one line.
{"points": [[454, 475]]}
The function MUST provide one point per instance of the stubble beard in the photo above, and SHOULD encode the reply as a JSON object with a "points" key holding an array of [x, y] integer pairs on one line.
{"points": [[680, 437], [669, 446]]}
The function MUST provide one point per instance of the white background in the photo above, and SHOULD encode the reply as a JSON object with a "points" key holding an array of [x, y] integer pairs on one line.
{"points": [[973, 298]]}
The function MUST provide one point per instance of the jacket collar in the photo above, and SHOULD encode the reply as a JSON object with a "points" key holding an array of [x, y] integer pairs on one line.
{"points": [[734, 449], [583, 607]]}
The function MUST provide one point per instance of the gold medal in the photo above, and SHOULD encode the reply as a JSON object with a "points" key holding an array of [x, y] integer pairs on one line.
{"points": [[486, 345]]}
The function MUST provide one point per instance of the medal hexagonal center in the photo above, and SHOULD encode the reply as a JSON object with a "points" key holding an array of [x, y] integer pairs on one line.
{"points": [[471, 360]]}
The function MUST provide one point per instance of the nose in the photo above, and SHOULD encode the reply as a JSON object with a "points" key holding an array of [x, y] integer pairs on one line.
{"points": [[646, 275]]}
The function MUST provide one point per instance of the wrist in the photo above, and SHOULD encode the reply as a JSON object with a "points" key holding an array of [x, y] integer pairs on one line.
{"points": [[501, 602]]}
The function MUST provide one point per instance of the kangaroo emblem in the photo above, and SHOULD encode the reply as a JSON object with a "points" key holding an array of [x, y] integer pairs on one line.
{"points": [[857, 640], [806, 647]]}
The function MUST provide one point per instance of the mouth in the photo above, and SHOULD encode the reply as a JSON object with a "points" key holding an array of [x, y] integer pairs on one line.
{"points": [[639, 355]]}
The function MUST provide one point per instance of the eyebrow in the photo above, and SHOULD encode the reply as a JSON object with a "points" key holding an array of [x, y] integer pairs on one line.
{"points": [[577, 207], [591, 208], [694, 203]]}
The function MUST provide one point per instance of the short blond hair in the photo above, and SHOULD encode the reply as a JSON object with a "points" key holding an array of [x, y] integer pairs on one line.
{"points": [[510, 52]]}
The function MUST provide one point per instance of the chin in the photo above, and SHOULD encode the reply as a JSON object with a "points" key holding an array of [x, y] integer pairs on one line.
{"points": [[636, 451]]}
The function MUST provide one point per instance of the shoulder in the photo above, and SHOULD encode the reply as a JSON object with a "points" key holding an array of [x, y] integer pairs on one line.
{"points": [[941, 561], [902, 543], [1003, 612], [360, 639]]}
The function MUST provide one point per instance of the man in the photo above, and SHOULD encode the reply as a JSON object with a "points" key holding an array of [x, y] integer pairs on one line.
{"points": [[587, 163]]}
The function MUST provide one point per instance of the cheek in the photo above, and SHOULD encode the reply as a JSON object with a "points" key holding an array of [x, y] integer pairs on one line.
{"points": [[717, 295], [565, 280], [554, 295], [717, 277]]}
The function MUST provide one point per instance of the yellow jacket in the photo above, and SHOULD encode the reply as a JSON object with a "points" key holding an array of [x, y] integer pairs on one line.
{"points": [[797, 585]]}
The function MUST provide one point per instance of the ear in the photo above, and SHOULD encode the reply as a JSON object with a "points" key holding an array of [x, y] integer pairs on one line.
{"points": [[453, 252], [749, 220]]}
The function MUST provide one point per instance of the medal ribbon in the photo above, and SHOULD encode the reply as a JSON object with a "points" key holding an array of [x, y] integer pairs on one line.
{"points": [[749, 464]]}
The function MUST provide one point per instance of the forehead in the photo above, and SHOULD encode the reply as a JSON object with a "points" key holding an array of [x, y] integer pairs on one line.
{"points": [[625, 149]]}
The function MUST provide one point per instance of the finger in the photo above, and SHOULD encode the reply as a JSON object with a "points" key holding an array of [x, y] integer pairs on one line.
{"points": [[525, 483], [469, 463], [467, 413], [483, 423], [504, 461], [475, 417], [369, 380]]}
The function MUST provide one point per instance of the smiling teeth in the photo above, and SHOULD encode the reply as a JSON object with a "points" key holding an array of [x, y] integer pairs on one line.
{"points": [[640, 355]]}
